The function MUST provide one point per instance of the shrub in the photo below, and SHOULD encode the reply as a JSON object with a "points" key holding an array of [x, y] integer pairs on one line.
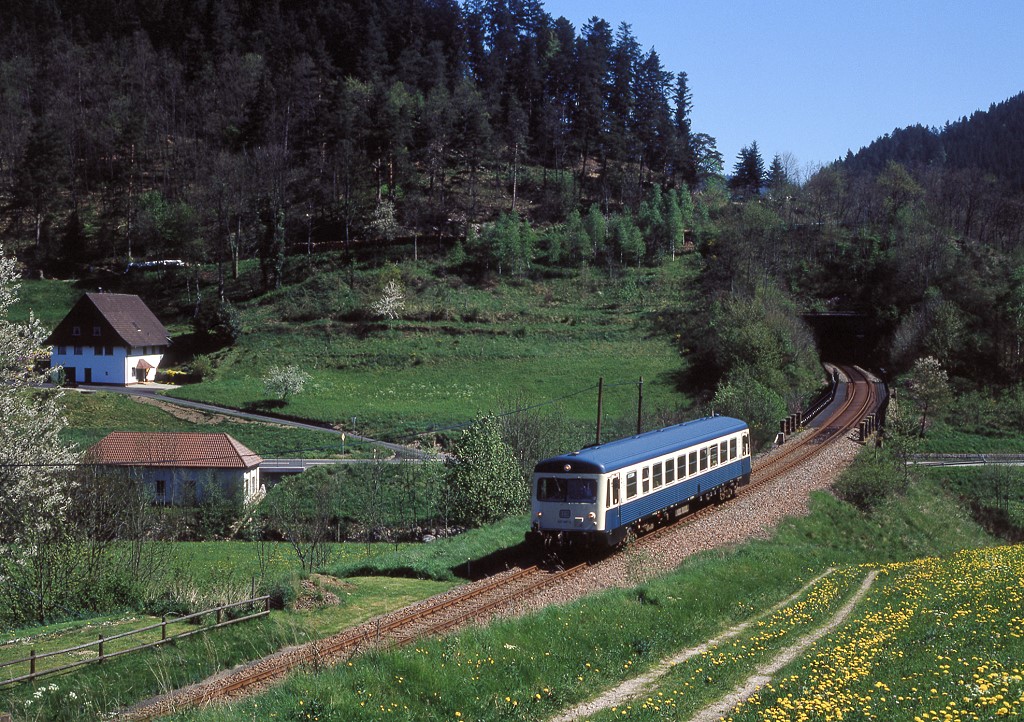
{"points": [[283, 590], [869, 481]]}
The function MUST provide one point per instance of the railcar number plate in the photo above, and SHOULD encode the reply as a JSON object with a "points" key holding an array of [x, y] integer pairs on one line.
{"points": [[563, 514]]}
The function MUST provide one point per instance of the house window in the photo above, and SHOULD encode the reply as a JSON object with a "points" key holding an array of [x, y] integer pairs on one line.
{"points": [[61, 350], [78, 350], [76, 330], [96, 331], [161, 491]]}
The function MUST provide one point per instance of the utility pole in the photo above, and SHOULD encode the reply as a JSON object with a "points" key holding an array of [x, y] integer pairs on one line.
{"points": [[600, 400], [640, 407]]}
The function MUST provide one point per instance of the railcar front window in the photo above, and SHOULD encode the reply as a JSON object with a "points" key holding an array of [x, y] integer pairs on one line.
{"points": [[550, 489], [746, 445], [581, 491]]}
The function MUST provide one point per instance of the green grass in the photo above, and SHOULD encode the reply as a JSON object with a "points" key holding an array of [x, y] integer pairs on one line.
{"points": [[49, 301], [536, 662], [939, 638], [91, 416], [442, 559], [946, 438], [460, 351]]}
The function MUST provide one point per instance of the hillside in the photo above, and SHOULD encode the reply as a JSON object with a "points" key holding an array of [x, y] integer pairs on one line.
{"points": [[989, 142], [213, 131]]}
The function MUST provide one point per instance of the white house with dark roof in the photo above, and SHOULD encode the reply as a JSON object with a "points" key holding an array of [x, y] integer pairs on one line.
{"points": [[109, 338], [183, 469]]}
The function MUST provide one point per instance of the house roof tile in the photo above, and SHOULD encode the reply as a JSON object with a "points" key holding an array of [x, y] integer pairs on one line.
{"points": [[135, 448], [123, 315]]}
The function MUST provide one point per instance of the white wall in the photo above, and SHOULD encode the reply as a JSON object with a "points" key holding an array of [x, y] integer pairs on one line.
{"points": [[117, 369]]}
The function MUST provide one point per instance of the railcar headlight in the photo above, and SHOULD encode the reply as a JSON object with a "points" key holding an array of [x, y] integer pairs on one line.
{"points": [[591, 516], [540, 513]]}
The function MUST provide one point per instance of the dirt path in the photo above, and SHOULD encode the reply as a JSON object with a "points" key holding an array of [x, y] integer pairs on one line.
{"points": [[638, 685], [763, 675]]}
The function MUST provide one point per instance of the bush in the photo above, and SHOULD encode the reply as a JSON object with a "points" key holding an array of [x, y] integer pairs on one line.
{"points": [[169, 604], [870, 480], [283, 590]]}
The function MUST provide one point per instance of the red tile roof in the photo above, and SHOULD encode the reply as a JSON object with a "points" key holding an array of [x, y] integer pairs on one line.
{"points": [[134, 448]]}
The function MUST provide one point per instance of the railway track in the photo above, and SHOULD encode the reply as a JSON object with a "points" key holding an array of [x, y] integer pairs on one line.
{"points": [[860, 400], [432, 617], [481, 600]]}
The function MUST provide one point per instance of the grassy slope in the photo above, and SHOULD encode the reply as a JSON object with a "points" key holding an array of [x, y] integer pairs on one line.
{"points": [[91, 416], [458, 351], [606, 637], [529, 668]]}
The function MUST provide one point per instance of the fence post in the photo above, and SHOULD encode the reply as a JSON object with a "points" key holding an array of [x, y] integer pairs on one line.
{"points": [[101, 650], [218, 614], [163, 628], [32, 663]]}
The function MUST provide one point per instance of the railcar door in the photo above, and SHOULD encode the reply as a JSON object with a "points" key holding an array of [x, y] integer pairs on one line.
{"points": [[613, 512]]}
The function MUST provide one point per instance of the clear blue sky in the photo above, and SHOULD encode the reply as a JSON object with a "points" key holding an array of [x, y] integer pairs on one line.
{"points": [[817, 77]]}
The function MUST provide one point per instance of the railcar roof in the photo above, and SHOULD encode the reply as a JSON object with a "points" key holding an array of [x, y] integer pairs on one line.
{"points": [[635, 449]]}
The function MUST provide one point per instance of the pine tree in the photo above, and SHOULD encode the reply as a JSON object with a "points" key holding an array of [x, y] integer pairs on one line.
{"points": [[748, 173]]}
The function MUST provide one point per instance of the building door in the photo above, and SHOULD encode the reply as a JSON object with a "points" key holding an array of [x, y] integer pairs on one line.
{"points": [[88, 376], [69, 375]]}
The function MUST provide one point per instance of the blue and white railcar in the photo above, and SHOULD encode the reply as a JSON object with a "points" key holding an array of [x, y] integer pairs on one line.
{"points": [[597, 495]]}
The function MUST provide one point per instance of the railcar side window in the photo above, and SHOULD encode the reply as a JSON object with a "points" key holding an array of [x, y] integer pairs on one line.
{"points": [[670, 471], [732, 448], [631, 485], [714, 456], [647, 479], [704, 459], [746, 445], [693, 463], [681, 466], [657, 475], [723, 449], [614, 485]]}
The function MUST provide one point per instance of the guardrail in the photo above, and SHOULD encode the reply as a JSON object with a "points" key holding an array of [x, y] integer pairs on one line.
{"points": [[100, 657]]}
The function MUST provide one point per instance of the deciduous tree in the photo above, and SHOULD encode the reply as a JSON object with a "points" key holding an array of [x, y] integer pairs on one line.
{"points": [[484, 481]]}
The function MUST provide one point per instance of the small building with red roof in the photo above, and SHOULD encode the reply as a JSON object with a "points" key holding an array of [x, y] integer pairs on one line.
{"points": [[109, 338], [183, 469]]}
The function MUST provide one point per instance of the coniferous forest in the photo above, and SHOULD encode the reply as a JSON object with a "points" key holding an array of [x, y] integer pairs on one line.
{"points": [[218, 131]]}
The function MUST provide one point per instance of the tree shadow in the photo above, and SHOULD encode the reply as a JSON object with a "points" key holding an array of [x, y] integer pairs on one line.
{"points": [[264, 405]]}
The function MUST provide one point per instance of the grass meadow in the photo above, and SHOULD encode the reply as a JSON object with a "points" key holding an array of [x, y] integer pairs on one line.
{"points": [[458, 351], [93, 415], [533, 667]]}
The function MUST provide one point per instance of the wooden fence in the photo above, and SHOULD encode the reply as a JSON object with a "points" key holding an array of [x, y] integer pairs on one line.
{"points": [[100, 657]]}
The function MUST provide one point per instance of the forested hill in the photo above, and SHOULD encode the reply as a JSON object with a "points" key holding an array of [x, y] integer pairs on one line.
{"points": [[147, 128], [989, 141]]}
